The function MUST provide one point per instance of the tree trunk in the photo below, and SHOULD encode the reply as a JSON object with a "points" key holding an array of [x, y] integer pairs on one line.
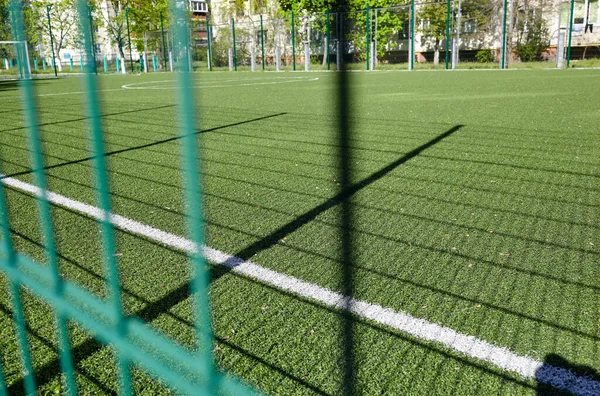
{"points": [[57, 60], [436, 52], [326, 44]]}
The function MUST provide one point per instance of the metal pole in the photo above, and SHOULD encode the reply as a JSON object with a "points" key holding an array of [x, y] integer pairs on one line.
{"points": [[570, 33], [293, 43], [51, 38], [367, 38], [262, 42], [92, 38], [375, 40], [503, 64], [448, 34], [458, 26], [328, 40], [164, 44], [234, 49], [208, 39], [129, 38], [412, 35]]}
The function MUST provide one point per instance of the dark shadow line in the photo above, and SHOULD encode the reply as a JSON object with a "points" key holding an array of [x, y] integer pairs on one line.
{"points": [[52, 366], [155, 143], [87, 118], [528, 272], [515, 166], [310, 215], [314, 178], [158, 307]]}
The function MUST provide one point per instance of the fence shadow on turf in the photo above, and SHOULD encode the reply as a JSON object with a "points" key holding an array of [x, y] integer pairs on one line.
{"points": [[144, 146], [155, 308], [547, 375]]}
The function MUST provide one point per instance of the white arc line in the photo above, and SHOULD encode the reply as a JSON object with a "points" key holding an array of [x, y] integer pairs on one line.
{"points": [[471, 346]]}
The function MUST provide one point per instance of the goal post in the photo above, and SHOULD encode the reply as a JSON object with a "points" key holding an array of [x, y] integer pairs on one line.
{"points": [[15, 59]]}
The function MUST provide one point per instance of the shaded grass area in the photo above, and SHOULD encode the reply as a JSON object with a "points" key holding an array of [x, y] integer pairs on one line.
{"points": [[475, 200]]}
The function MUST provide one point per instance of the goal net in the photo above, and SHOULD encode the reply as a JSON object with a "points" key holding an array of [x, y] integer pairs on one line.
{"points": [[15, 61]]}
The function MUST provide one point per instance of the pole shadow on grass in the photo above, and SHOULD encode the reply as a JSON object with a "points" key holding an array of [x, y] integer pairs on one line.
{"points": [[156, 308], [143, 146], [559, 377]]}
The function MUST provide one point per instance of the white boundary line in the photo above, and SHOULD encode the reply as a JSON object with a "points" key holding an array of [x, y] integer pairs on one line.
{"points": [[208, 84], [503, 358]]}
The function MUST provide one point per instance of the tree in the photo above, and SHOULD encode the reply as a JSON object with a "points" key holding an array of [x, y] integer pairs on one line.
{"points": [[115, 23], [431, 19], [144, 16], [63, 20], [532, 33]]}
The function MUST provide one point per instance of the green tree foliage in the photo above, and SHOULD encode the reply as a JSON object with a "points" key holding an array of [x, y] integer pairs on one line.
{"points": [[431, 19], [144, 16], [63, 19], [533, 39], [31, 22]]}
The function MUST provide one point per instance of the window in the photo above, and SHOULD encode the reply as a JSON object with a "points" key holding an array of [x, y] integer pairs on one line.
{"points": [[469, 26], [198, 6], [593, 11], [405, 32]]}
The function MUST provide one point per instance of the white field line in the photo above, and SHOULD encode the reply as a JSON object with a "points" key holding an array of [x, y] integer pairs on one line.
{"points": [[79, 92], [503, 358], [202, 84]]}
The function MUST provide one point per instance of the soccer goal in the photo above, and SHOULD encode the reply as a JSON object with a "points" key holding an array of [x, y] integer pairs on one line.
{"points": [[14, 56]]}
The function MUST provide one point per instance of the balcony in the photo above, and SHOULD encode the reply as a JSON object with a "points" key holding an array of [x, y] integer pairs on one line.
{"points": [[198, 7]]}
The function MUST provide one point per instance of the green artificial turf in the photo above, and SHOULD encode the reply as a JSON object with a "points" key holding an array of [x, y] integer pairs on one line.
{"points": [[493, 231]]}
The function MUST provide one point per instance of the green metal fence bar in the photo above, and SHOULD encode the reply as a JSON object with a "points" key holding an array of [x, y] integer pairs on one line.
{"points": [[208, 41], [448, 10], [503, 64], [15, 289], [92, 38], [293, 43], [127, 10], [571, 18], [328, 27], [412, 35], [48, 7], [234, 46], [164, 43], [46, 228], [193, 194], [3, 390], [368, 36], [262, 42], [103, 194]]}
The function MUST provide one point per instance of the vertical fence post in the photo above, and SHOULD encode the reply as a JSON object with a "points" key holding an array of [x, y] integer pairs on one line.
{"points": [[293, 43], [412, 35], [328, 27], [447, 33], [368, 37], [35, 63], [105, 65], [129, 38], [571, 14], [93, 40], [110, 259], [208, 40], [164, 44], [51, 38], [503, 64], [234, 49], [262, 42], [340, 27]]}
